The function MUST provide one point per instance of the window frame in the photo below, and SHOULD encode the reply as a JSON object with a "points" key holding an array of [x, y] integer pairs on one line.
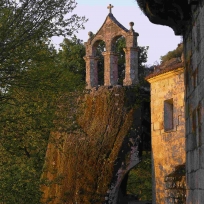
{"points": [[168, 115]]}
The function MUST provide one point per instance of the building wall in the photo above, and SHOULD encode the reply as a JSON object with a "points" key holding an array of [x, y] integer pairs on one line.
{"points": [[191, 26], [168, 147], [194, 82]]}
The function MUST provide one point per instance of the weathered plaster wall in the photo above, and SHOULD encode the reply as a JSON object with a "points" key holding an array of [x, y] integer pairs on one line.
{"points": [[88, 164], [194, 81], [168, 147]]}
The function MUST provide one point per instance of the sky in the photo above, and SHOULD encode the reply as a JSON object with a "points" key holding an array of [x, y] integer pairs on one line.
{"points": [[160, 39]]}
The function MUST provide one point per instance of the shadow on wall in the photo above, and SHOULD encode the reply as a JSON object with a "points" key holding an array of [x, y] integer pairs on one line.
{"points": [[176, 185]]}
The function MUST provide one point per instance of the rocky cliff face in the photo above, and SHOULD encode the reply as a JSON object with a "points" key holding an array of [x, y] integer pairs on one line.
{"points": [[88, 165]]}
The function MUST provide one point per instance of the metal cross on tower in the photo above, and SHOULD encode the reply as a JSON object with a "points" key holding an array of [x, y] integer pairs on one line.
{"points": [[110, 8]]}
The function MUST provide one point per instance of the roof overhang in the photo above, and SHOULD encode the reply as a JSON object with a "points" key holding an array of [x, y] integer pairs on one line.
{"points": [[165, 75], [172, 13]]}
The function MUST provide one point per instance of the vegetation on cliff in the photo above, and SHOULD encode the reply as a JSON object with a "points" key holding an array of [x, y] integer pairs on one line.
{"points": [[105, 118], [82, 164], [176, 53]]}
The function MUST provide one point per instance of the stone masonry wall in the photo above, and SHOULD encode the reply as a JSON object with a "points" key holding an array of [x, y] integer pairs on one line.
{"points": [[168, 148], [194, 82], [191, 26]]}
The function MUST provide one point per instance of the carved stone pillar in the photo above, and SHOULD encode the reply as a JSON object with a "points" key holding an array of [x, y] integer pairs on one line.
{"points": [[110, 68], [91, 71], [131, 68]]}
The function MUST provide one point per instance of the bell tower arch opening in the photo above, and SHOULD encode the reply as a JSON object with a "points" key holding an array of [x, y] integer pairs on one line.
{"points": [[99, 48], [117, 46]]}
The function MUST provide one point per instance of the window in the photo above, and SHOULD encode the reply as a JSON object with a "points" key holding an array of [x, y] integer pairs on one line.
{"points": [[168, 114]]}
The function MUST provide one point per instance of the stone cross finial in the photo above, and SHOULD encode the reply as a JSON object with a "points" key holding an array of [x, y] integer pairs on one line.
{"points": [[90, 34], [131, 25], [110, 8]]}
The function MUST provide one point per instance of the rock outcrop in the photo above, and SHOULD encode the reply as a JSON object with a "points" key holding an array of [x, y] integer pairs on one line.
{"points": [[88, 164]]}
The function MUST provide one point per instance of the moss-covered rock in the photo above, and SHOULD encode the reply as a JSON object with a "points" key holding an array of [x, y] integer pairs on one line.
{"points": [[88, 164]]}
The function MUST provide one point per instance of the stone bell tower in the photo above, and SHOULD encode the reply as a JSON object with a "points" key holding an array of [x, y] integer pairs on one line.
{"points": [[110, 31]]}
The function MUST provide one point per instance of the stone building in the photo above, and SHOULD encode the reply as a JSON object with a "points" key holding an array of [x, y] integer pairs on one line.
{"points": [[168, 132], [109, 33], [186, 18]]}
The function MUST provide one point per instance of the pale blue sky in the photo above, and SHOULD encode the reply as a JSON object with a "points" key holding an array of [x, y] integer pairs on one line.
{"points": [[160, 39], [106, 2]]}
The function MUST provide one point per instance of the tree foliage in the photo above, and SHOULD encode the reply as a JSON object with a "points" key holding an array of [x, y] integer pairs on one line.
{"points": [[26, 22], [32, 82], [173, 54], [140, 179], [27, 121], [71, 56]]}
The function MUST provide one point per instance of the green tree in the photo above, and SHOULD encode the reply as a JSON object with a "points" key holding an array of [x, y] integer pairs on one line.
{"points": [[140, 179], [71, 56], [27, 121], [172, 54], [32, 82], [24, 23]]}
